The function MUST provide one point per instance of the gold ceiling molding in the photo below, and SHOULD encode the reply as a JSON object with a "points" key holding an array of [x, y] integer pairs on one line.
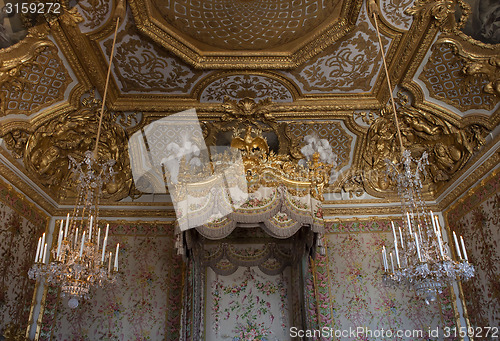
{"points": [[204, 42], [13, 179], [72, 134], [32, 75]]}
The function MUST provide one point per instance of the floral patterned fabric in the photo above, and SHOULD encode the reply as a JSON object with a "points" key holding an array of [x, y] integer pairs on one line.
{"points": [[145, 302], [246, 306], [20, 225], [477, 218], [358, 297]]}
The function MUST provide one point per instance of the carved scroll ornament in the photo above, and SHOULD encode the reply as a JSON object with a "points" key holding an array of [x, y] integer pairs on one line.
{"points": [[73, 134], [449, 146]]}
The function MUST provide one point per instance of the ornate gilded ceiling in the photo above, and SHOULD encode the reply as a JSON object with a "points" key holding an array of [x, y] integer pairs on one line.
{"points": [[312, 66]]}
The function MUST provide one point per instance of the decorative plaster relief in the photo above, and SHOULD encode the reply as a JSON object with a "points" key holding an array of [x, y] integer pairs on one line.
{"points": [[246, 85]]}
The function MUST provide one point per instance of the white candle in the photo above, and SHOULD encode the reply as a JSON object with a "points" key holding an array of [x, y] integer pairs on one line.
{"points": [[383, 261], [45, 254], [98, 237], [116, 256], [103, 249], [433, 223], [463, 248], [438, 227], [107, 230], [409, 222], [397, 252], [41, 251], [440, 245], [392, 262], [393, 230], [418, 247], [456, 245], [76, 238], [384, 254], [59, 242], [90, 228], [38, 249], [83, 241], [401, 235], [67, 224]]}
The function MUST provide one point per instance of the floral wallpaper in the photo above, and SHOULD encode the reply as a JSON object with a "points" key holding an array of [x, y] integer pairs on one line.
{"points": [[20, 225], [477, 218], [358, 297], [143, 304], [247, 305]]}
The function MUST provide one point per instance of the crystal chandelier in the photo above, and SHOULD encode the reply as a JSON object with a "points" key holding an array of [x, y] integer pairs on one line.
{"points": [[80, 260], [421, 257]]}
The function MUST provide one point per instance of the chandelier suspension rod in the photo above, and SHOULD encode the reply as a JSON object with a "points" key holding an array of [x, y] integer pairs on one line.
{"points": [[118, 10], [374, 10]]}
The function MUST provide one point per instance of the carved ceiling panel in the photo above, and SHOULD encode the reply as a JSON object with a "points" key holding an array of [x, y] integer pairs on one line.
{"points": [[446, 80], [241, 85], [394, 12], [252, 34], [94, 14], [347, 66], [246, 25], [39, 83], [141, 66]]}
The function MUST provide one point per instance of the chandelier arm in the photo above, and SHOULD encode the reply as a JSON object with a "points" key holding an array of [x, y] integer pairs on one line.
{"points": [[375, 11], [106, 87]]}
